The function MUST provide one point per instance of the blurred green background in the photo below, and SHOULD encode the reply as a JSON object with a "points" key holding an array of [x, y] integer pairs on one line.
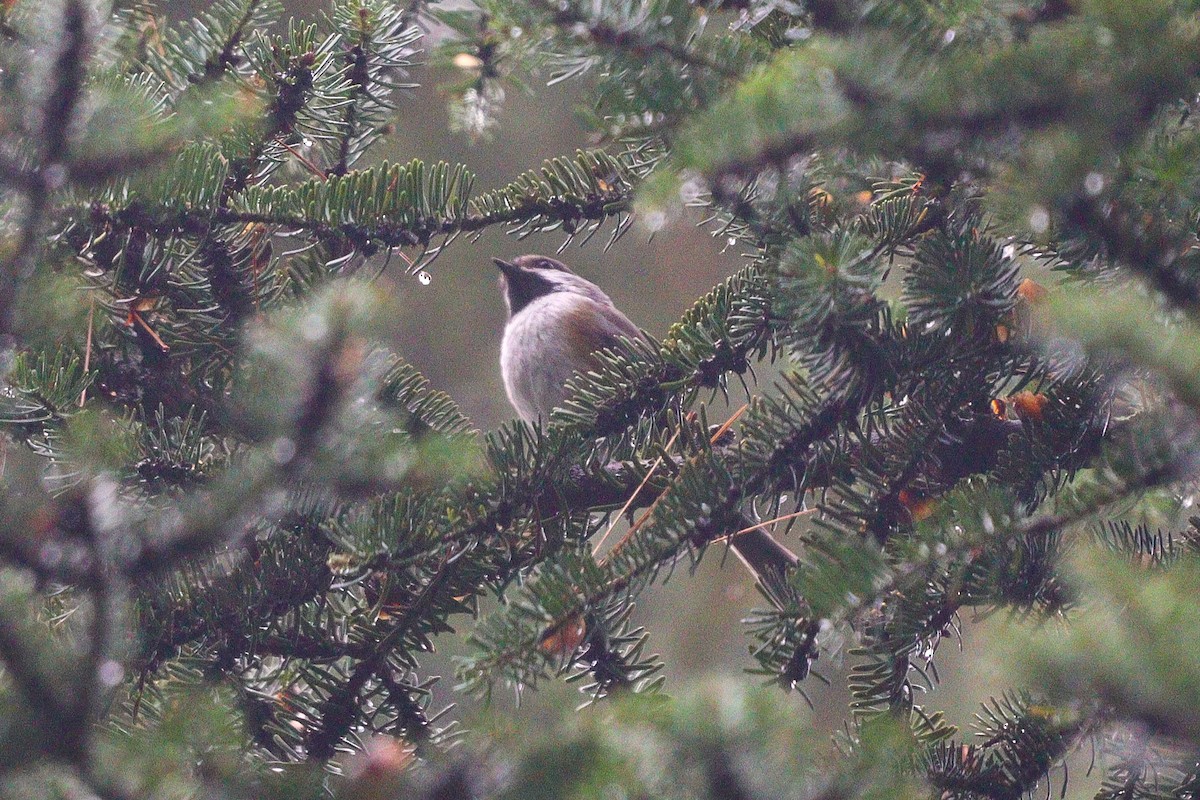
{"points": [[450, 329]]}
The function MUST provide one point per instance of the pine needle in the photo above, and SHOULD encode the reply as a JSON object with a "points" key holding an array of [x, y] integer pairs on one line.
{"points": [[783, 518], [727, 424], [313, 168], [87, 349]]}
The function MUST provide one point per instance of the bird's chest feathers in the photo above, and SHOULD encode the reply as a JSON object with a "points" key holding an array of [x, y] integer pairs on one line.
{"points": [[546, 343]]}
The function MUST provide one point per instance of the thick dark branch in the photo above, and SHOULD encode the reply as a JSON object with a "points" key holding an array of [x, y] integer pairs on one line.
{"points": [[15, 175], [833, 16], [70, 70], [371, 237], [27, 554], [1048, 524], [337, 715], [109, 598]]}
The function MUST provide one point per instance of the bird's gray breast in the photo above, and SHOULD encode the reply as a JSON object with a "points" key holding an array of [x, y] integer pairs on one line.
{"points": [[546, 343]]}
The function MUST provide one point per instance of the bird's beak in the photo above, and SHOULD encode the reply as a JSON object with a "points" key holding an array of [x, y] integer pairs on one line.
{"points": [[506, 267]]}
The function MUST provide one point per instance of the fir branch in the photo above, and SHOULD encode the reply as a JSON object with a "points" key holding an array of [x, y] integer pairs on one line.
{"points": [[576, 586], [218, 63], [632, 41], [654, 547], [374, 54], [406, 205], [255, 586], [769, 121], [903, 397], [721, 334], [214, 518], [1143, 767], [41, 391], [1142, 244], [207, 48], [1023, 741], [25, 664], [911, 593], [57, 125], [260, 586], [339, 711], [402, 209]]}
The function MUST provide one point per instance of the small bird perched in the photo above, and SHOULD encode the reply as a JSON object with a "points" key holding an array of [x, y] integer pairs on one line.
{"points": [[556, 323]]}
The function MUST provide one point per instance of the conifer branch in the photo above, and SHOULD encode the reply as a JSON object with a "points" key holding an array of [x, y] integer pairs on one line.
{"points": [[423, 230], [214, 519], [21, 660], [218, 63], [401, 205], [633, 41], [57, 125], [376, 43], [1144, 246]]}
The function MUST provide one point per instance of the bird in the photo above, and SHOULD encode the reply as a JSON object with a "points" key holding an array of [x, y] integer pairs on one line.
{"points": [[557, 321]]}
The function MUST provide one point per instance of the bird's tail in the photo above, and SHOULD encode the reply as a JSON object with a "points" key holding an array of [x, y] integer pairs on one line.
{"points": [[761, 554]]}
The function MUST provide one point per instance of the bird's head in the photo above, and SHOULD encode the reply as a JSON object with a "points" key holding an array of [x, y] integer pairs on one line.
{"points": [[528, 277]]}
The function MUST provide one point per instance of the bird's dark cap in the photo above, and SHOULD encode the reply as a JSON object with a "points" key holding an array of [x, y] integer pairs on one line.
{"points": [[529, 262]]}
